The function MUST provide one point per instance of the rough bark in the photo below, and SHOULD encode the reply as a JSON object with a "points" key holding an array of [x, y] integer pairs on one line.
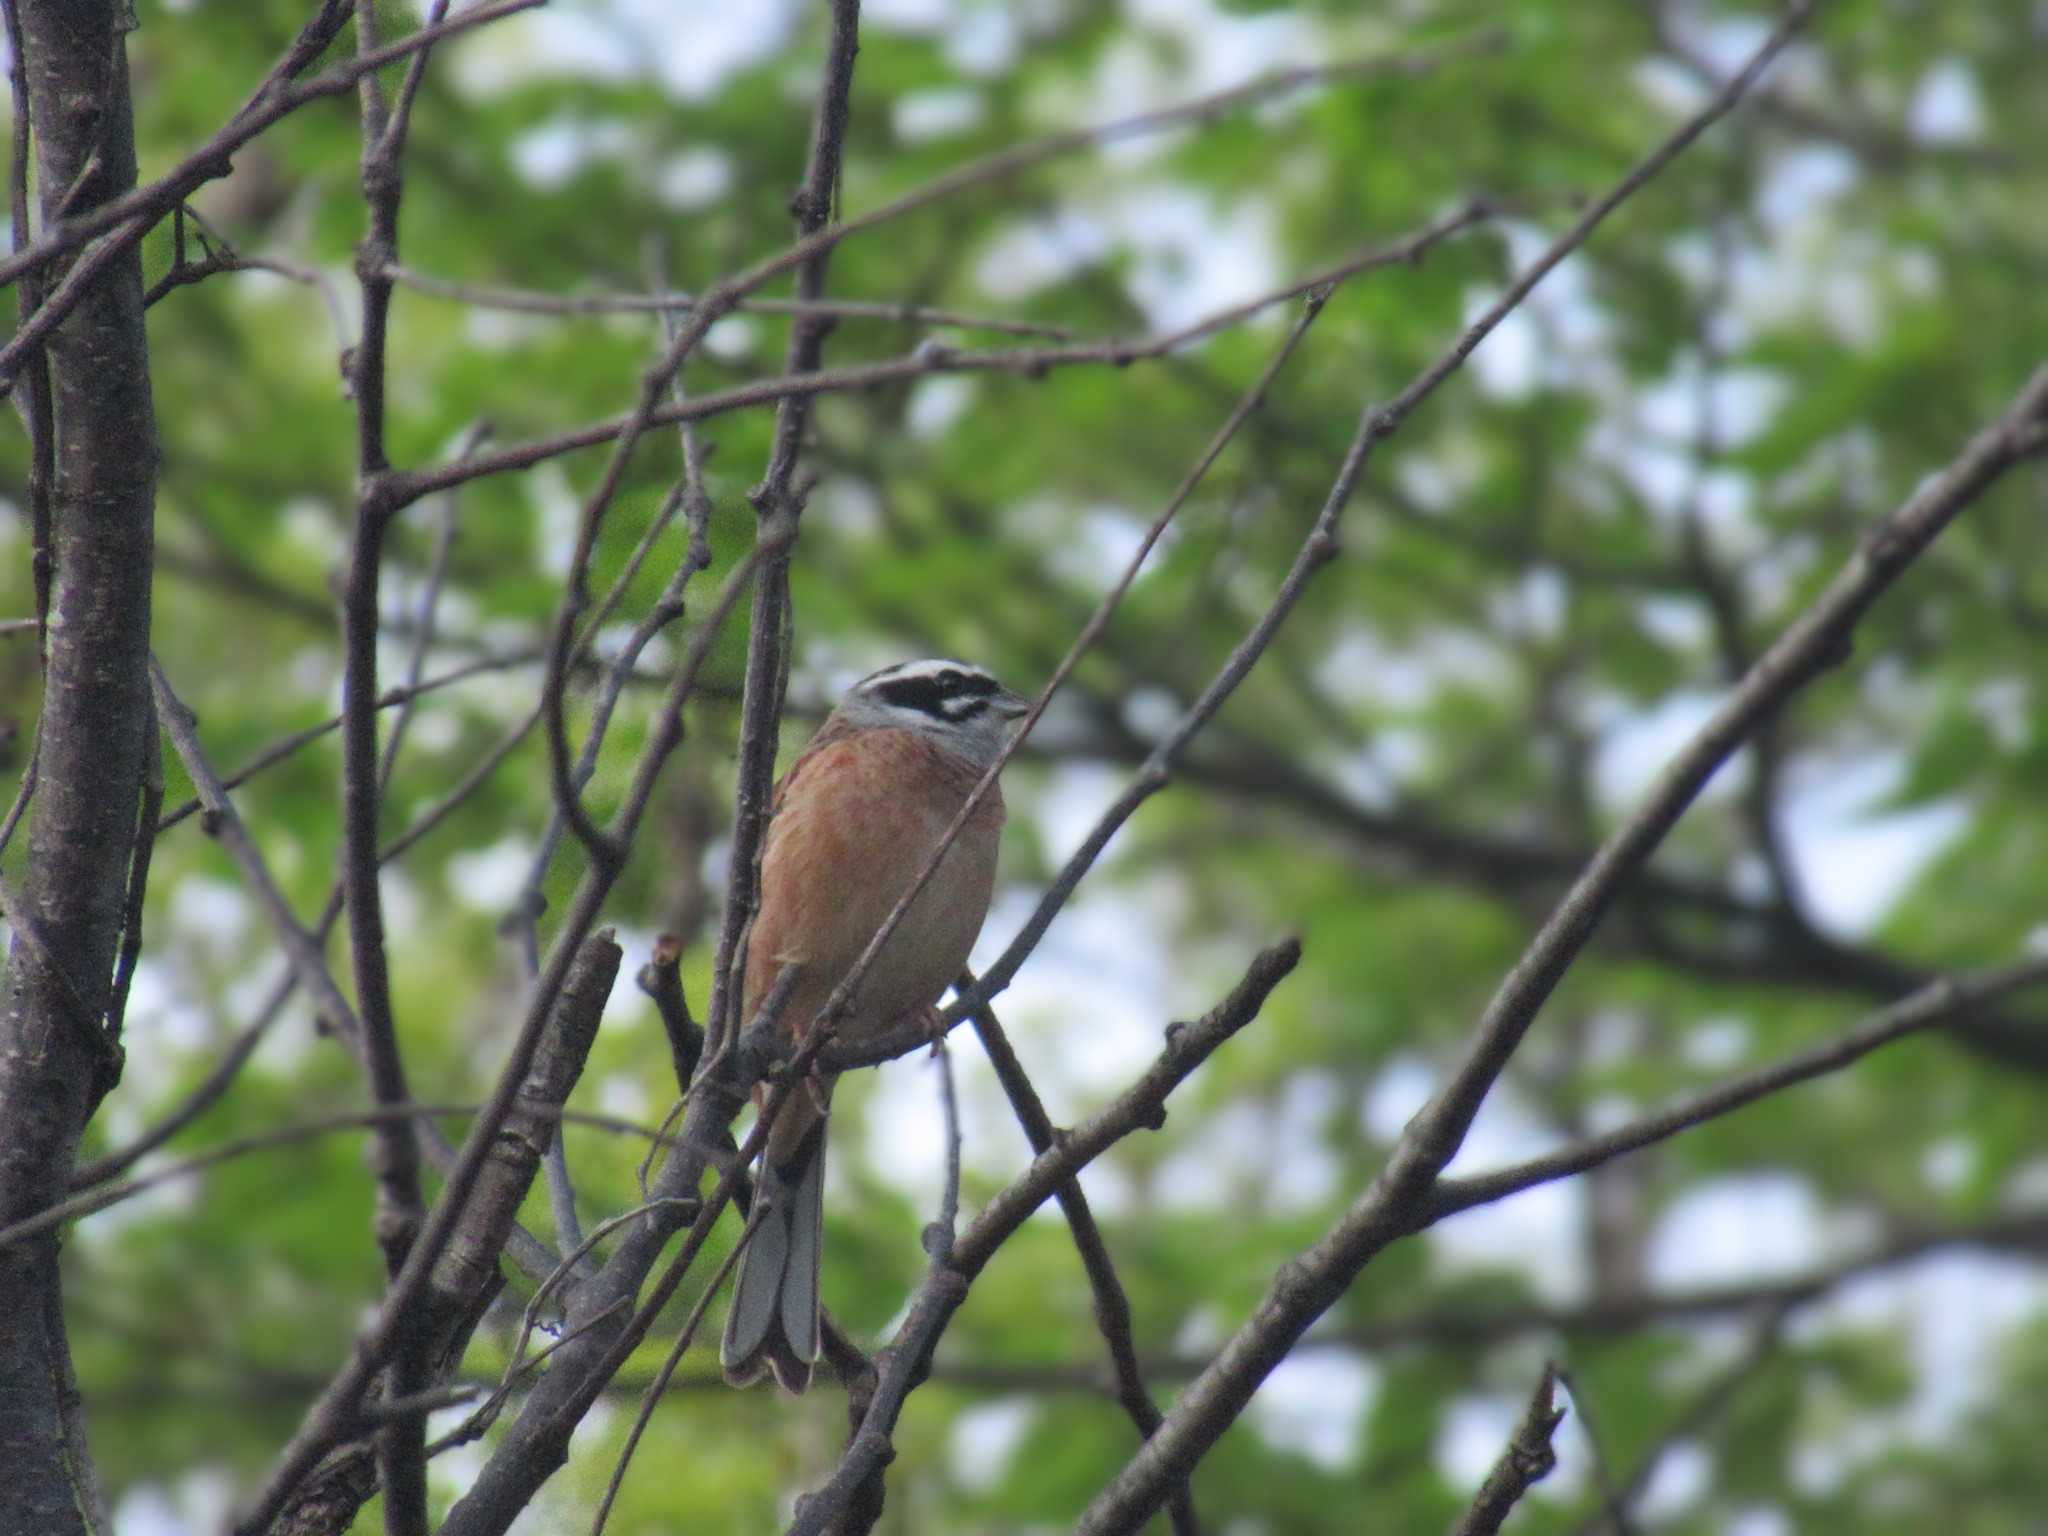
{"points": [[56, 1059]]}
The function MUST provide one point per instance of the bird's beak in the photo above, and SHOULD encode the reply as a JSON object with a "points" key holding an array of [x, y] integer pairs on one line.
{"points": [[1010, 706]]}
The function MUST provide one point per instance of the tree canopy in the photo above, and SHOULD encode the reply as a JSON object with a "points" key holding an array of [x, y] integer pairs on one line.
{"points": [[1735, 503]]}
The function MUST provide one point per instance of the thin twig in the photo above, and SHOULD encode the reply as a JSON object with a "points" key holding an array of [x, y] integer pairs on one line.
{"points": [[1939, 1003], [300, 946], [661, 979], [327, 1421], [1112, 1304], [25, 791], [651, 1398], [202, 1098], [429, 607], [1527, 1460], [820, 236], [1306, 1287], [529, 302], [401, 1205], [946, 1283], [125, 220], [1098, 621], [86, 1202], [777, 507], [801, 383], [149, 808], [938, 1236], [392, 698]]}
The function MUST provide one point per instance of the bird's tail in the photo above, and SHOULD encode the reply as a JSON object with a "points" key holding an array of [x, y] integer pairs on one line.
{"points": [[773, 1320]]}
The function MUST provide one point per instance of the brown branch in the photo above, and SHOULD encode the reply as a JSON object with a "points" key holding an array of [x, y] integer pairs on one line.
{"points": [[1308, 1286], [908, 1359], [467, 1278], [651, 1398], [130, 218], [1155, 774], [327, 1422], [1112, 1305], [394, 1156], [276, 97], [305, 953], [1527, 1460], [777, 510], [803, 383], [528, 302], [1940, 1002], [537, 1442], [661, 979]]}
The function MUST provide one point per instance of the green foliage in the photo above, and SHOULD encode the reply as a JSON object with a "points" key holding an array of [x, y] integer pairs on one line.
{"points": [[1455, 714]]}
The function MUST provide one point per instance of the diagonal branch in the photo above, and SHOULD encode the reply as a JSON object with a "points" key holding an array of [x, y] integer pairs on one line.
{"points": [[777, 509], [1527, 1460], [123, 222], [804, 383], [1155, 774], [1399, 1201], [1939, 1003], [907, 1360], [333, 1413], [1112, 1305], [1308, 1286]]}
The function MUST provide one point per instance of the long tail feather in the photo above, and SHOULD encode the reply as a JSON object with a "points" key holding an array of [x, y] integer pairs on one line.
{"points": [[773, 1320]]}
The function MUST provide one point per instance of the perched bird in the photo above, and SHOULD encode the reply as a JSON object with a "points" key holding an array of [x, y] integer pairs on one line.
{"points": [[853, 821]]}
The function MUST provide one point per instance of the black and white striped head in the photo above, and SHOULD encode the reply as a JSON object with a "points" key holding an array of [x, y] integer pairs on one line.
{"points": [[958, 705]]}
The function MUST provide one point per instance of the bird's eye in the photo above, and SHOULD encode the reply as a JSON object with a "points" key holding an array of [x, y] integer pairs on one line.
{"points": [[952, 682]]}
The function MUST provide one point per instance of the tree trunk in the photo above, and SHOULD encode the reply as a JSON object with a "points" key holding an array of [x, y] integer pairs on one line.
{"points": [[57, 1056]]}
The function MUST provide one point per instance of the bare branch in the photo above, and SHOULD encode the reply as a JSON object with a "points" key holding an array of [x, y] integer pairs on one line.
{"points": [[651, 1398], [392, 698], [423, 621], [1112, 1305], [777, 509], [467, 1278], [908, 1359], [1098, 622], [328, 1420], [1306, 1287], [301, 947], [661, 979], [796, 383], [275, 98], [127, 219], [527, 302], [1940, 1002], [1527, 1461]]}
